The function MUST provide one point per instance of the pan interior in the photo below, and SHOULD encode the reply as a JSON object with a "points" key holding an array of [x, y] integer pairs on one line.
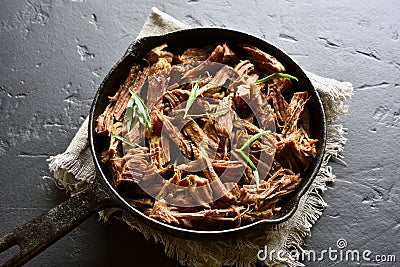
{"points": [[177, 43]]}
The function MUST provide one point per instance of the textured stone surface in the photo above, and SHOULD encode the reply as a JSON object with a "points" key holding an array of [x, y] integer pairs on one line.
{"points": [[54, 55]]}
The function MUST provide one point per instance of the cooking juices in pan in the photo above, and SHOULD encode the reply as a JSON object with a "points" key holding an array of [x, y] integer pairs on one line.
{"points": [[211, 138]]}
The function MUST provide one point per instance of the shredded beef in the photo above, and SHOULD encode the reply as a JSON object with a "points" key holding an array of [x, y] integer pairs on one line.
{"points": [[188, 170]]}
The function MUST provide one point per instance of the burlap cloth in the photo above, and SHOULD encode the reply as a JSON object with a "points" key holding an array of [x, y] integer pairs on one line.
{"points": [[74, 171]]}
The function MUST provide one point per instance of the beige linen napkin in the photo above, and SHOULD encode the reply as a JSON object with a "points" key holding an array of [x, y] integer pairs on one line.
{"points": [[75, 171]]}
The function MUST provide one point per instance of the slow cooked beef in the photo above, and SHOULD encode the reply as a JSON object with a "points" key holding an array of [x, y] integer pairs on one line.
{"points": [[221, 150]]}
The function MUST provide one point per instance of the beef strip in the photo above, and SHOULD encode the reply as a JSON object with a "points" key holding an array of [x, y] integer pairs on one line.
{"points": [[136, 86], [230, 56], [156, 86], [271, 191], [161, 212], [112, 156], [295, 109], [221, 80], [246, 70], [217, 55], [135, 167], [174, 135], [193, 132], [296, 151], [159, 154], [265, 63], [194, 54], [281, 108], [116, 109], [223, 54], [283, 85], [158, 52]]}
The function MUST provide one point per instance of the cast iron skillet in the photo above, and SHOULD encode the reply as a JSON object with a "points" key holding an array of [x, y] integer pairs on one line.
{"points": [[44, 230]]}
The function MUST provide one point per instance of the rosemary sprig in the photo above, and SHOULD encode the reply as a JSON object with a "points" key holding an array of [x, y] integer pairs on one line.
{"points": [[194, 93], [252, 165], [276, 75], [254, 138], [136, 104], [249, 161], [124, 140], [130, 112]]}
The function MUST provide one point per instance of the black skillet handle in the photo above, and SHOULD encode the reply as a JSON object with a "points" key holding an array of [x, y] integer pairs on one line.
{"points": [[44, 230]]}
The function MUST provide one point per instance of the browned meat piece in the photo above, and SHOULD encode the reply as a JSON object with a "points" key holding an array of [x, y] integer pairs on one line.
{"points": [[136, 86], [305, 121], [283, 85], [136, 134], [262, 111], [170, 100], [105, 121], [296, 151], [116, 109], [161, 65], [135, 167], [217, 55], [193, 132], [112, 157], [210, 130], [156, 86], [281, 108], [246, 70], [217, 186], [202, 193], [264, 62], [223, 54], [159, 154], [295, 109], [174, 135], [221, 80], [271, 191], [173, 99], [229, 55], [158, 52], [177, 72], [231, 171], [241, 100], [224, 125], [161, 212], [194, 54]]}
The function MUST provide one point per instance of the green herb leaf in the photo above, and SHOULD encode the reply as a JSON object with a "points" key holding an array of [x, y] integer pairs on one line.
{"points": [[249, 161], [194, 93], [276, 75], [254, 138], [129, 113], [252, 165], [142, 110], [126, 141]]}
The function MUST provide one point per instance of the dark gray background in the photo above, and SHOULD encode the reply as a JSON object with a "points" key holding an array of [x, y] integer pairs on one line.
{"points": [[54, 54]]}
